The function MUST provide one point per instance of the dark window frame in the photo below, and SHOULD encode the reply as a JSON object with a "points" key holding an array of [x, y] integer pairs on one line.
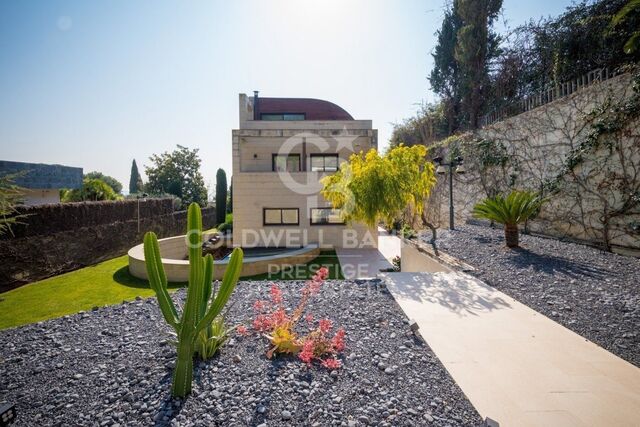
{"points": [[281, 223], [275, 155], [304, 117], [322, 223], [324, 164]]}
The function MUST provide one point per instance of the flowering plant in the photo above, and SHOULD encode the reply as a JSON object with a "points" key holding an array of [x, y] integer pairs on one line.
{"points": [[278, 326]]}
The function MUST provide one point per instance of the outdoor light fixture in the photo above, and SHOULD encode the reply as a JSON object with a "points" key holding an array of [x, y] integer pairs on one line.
{"points": [[7, 414], [457, 164]]}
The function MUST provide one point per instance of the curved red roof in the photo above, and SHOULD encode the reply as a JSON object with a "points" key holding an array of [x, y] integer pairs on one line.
{"points": [[313, 109]]}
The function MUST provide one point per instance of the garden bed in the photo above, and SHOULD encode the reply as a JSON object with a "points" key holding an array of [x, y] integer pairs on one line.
{"points": [[113, 366], [594, 293]]}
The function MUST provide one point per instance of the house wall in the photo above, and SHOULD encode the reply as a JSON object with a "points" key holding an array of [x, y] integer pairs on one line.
{"points": [[256, 186], [33, 197]]}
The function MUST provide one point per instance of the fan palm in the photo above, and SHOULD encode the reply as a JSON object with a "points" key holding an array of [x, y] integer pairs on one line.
{"points": [[510, 211]]}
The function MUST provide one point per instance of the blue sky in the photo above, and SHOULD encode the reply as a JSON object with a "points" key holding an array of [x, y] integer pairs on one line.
{"points": [[96, 84]]}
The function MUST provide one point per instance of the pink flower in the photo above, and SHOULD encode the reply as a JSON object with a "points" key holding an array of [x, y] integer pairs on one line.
{"points": [[313, 286], [279, 317], [242, 330], [325, 325], [322, 273], [261, 323], [276, 294], [331, 363], [258, 305], [306, 354], [337, 342]]}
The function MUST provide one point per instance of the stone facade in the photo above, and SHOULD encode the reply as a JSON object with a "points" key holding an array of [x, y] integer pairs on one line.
{"points": [[256, 186]]}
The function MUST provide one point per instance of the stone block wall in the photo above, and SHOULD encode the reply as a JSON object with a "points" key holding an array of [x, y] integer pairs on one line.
{"points": [[593, 191]]}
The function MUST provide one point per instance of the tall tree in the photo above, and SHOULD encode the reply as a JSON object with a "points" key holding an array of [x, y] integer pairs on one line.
{"points": [[221, 196], [230, 201], [135, 180], [177, 173], [444, 77], [115, 185], [476, 46]]}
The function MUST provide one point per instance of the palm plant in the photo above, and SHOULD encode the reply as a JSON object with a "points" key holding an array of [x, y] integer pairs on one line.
{"points": [[516, 208], [199, 314]]}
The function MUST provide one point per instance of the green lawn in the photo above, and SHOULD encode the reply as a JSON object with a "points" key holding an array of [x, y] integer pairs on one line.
{"points": [[110, 283], [327, 259], [102, 284]]}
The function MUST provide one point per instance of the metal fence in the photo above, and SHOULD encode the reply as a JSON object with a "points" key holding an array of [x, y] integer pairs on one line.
{"points": [[546, 96]]}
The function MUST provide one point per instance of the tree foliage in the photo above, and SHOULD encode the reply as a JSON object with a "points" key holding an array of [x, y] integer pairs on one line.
{"points": [[177, 173], [476, 46], [444, 77], [10, 196], [135, 180], [115, 185], [628, 10], [371, 187], [221, 196], [93, 189], [514, 209]]}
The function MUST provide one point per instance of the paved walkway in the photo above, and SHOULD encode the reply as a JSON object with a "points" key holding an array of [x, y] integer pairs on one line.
{"points": [[515, 365], [367, 263]]}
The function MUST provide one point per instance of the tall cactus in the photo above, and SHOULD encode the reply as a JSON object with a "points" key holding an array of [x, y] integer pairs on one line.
{"points": [[197, 313]]}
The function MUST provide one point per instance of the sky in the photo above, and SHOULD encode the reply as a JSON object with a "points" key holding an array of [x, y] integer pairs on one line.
{"points": [[96, 84]]}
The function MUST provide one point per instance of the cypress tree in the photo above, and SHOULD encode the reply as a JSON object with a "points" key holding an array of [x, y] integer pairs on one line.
{"points": [[221, 196], [135, 181]]}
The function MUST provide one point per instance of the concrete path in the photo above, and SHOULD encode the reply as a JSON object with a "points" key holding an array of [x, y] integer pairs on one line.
{"points": [[515, 365], [367, 263]]}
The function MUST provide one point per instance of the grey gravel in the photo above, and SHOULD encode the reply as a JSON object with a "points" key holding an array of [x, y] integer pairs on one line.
{"points": [[112, 366], [594, 293]]}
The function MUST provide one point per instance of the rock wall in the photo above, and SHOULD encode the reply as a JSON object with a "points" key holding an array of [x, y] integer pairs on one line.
{"points": [[592, 184], [58, 238]]}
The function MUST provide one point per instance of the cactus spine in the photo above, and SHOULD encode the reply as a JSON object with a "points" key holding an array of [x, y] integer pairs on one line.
{"points": [[198, 312]]}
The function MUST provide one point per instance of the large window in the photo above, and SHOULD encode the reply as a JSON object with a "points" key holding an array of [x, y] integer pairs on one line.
{"points": [[324, 162], [325, 216], [280, 216], [285, 163], [282, 116]]}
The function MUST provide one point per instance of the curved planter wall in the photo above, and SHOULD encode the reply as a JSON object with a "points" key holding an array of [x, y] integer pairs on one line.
{"points": [[173, 250]]}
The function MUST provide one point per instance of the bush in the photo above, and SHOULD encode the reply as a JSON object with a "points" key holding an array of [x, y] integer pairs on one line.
{"points": [[93, 189], [516, 208]]}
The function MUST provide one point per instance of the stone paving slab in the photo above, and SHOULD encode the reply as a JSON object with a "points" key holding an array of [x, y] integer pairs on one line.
{"points": [[515, 365]]}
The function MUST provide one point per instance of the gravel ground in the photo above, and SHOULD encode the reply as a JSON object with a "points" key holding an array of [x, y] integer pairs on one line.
{"points": [[594, 293], [112, 366]]}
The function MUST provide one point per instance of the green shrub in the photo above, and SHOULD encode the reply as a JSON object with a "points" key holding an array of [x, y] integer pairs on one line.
{"points": [[516, 208]]}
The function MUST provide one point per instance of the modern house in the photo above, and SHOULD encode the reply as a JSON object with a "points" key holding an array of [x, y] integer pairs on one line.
{"points": [[283, 147], [41, 182]]}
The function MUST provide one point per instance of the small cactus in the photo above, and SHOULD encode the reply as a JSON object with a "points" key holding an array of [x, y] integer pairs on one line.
{"points": [[198, 313]]}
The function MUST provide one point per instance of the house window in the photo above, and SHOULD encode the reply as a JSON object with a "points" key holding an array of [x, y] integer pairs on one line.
{"points": [[280, 216], [324, 162], [325, 216], [282, 116], [285, 163]]}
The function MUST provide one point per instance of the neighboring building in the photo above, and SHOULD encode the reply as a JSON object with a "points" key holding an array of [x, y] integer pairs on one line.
{"points": [[281, 150], [42, 182]]}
